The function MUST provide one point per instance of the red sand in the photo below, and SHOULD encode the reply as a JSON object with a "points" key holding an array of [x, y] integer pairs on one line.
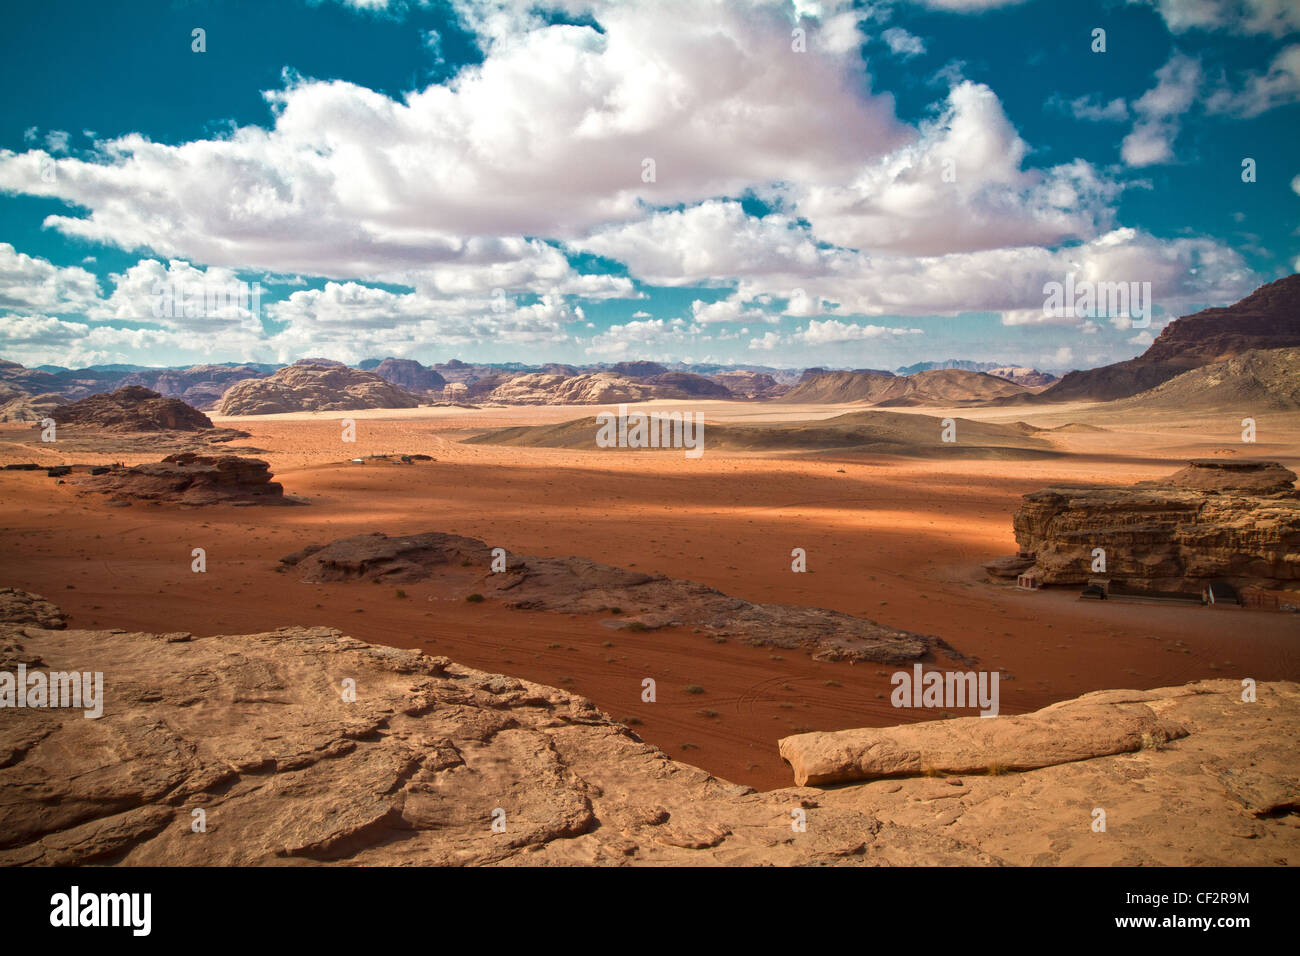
{"points": [[898, 540]]}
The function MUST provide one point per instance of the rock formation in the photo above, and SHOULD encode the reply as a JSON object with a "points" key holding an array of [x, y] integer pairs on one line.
{"points": [[595, 388], [255, 731], [1095, 725], [580, 586], [1255, 381], [132, 409], [199, 385], [190, 479], [1235, 520], [314, 387], [935, 387], [16, 406], [23, 607], [410, 375], [1268, 318]]}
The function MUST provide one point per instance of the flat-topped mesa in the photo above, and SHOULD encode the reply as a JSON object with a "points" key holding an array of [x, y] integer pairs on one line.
{"points": [[1250, 475], [191, 479], [1237, 521]]}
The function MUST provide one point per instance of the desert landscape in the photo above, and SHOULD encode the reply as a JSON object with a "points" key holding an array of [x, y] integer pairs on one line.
{"points": [[621, 565], [756, 434]]}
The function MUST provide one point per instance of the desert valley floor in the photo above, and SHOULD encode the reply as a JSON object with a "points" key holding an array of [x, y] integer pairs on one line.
{"points": [[898, 539]]}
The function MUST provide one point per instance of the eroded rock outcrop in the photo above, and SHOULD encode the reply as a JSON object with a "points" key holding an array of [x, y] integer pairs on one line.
{"points": [[1233, 520], [314, 386], [255, 732], [580, 586], [23, 607], [190, 479], [132, 409]]}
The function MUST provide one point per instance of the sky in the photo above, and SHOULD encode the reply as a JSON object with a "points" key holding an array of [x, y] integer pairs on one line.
{"points": [[786, 183]]}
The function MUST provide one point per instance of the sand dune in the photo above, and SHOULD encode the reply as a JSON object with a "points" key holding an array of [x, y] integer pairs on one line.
{"points": [[876, 432]]}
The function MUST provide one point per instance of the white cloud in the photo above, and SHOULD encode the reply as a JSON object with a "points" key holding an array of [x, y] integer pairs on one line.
{"points": [[30, 284], [903, 44], [1093, 110], [832, 331], [349, 183], [958, 187], [1260, 92], [1159, 112], [1273, 17]]}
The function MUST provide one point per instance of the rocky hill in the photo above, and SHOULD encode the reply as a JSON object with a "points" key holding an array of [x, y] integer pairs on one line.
{"points": [[438, 763], [17, 406], [1258, 380], [132, 409], [594, 388], [1268, 318], [936, 387], [1214, 519], [199, 385], [314, 387], [410, 375]]}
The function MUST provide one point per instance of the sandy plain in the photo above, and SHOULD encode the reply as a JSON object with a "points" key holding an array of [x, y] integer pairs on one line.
{"points": [[893, 538]]}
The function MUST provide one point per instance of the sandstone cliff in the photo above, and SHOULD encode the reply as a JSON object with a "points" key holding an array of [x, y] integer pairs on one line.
{"points": [[1237, 520]]}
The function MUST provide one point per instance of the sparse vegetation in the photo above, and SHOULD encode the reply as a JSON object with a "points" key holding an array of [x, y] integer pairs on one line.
{"points": [[401, 593], [694, 689], [475, 598], [705, 712]]}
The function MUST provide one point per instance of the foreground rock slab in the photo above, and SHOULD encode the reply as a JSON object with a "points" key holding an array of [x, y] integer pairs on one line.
{"points": [[244, 750], [578, 586], [1095, 725]]}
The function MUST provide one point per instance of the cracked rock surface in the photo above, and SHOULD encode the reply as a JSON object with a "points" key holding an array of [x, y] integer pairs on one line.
{"points": [[256, 731]]}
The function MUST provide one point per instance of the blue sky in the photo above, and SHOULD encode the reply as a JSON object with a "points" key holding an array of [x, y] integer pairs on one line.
{"points": [[834, 183]]}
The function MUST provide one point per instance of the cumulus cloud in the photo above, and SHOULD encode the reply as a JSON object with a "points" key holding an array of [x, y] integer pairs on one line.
{"points": [[960, 186], [30, 284], [546, 137]]}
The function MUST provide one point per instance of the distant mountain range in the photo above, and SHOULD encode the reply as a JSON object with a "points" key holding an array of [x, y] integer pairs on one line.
{"points": [[1266, 320]]}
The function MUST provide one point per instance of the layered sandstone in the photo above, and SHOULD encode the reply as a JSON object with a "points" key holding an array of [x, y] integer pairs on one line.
{"points": [[190, 479], [304, 746], [1233, 520]]}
